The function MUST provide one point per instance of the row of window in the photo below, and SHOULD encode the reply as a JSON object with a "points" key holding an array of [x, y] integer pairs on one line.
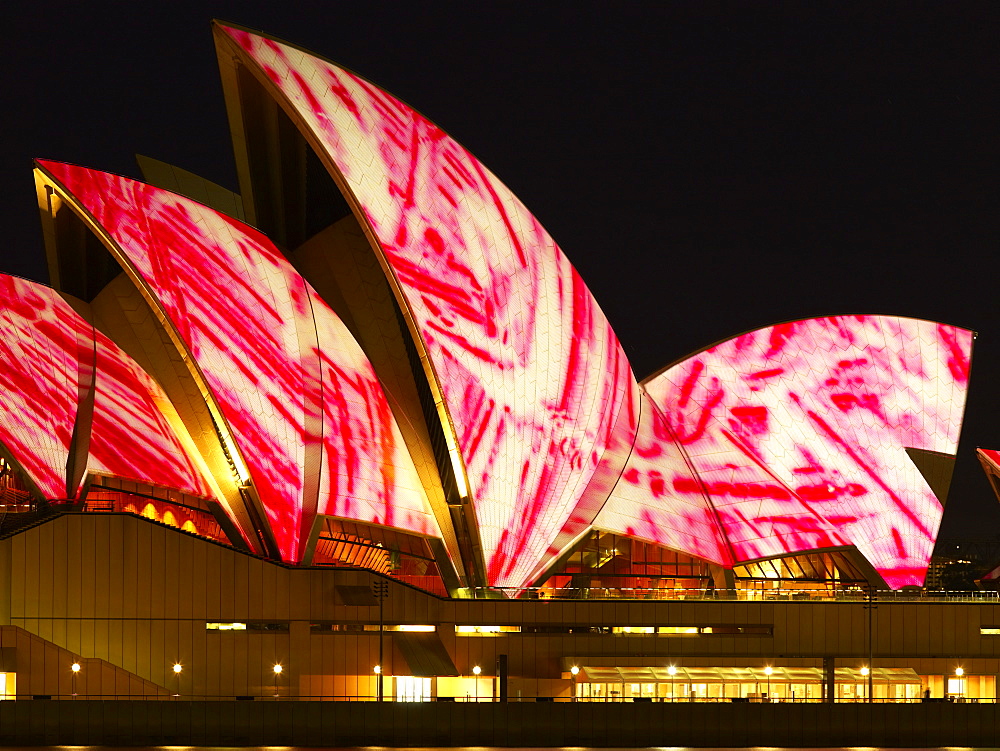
{"points": [[725, 630]]}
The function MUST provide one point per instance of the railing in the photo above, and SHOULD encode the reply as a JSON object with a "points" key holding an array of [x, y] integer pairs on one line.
{"points": [[511, 699], [742, 595], [172, 513]]}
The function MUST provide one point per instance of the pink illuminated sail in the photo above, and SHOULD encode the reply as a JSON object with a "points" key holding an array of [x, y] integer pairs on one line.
{"points": [[40, 353], [52, 359], [533, 378], [798, 435], [131, 438], [306, 412]]}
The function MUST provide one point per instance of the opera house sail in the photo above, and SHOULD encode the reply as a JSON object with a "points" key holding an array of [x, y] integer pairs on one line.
{"points": [[375, 356]]}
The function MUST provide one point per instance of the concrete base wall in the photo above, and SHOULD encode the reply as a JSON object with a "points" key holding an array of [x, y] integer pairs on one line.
{"points": [[260, 723]]}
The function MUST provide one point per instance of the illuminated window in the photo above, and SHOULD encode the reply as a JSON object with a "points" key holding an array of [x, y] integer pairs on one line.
{"points": [[485, 630], [681, 630], [633, 629], [354, 628], [7, 683], [248, 626], [990, 630], [410, 688]]}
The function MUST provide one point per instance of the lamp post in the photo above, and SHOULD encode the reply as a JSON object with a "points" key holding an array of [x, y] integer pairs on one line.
{"points": [[75, 668], [380, 590], [476, 670], [959, 672], [767, 671], [870, 606], [178, 668], [865, 672], [672, 671], [574, 671], [277, 672]]}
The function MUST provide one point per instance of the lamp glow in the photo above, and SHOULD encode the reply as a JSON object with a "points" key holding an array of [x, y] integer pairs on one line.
{"points": [[75, 667], [477, 670], [178, 667], [574, 670], [277, 669], [672, 670], [865, 670], [959, 672], [768, 670], [377, 669]]}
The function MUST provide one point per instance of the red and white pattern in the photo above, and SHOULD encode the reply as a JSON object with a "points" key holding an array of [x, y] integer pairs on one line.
{"points": [[307, 414], [533, 378], [797, 434], [51, 358], [39, 380], [130, 437]]}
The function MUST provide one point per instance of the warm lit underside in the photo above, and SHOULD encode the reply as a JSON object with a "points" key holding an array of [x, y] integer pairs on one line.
{"points": [[49, 354], [793, 437], [307, 414], [533, 378]]}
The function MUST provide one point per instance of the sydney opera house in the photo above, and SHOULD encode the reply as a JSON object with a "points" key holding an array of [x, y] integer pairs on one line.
{"points": [[361, 429]]}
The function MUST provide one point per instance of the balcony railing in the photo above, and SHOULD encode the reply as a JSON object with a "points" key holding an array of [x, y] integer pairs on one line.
{"points": [[738, 594]]}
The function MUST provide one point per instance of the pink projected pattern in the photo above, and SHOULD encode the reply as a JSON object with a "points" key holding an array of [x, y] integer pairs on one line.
{"points": [[39, 380], [131, 438], [797, 434], [296, 391], [51, 361], [532, 375]]}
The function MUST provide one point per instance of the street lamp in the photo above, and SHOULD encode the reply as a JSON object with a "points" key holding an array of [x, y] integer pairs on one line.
{"points": [[865, 671], [574, 671], [177, 668], [380, 590], [476, 670], [767, 671], [672, 671], [277, 672], [75, 667], [959, 672]]}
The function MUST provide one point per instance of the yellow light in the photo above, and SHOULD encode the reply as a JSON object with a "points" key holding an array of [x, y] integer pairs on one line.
{"points": [[277, 669], [377, 669], [75, 667], [959, 672], [865, 670], [477, 670], [768, 670], [574, 670], [672, 670], [178, 667]]}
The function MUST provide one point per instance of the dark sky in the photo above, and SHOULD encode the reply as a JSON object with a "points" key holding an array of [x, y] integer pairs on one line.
{"points": [[709, 168]]}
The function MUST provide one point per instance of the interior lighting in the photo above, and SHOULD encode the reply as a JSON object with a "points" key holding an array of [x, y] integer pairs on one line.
{"points": [[277, 668]]}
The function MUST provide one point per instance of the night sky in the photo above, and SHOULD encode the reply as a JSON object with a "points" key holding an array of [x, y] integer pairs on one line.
{"points": [[709, 168]]}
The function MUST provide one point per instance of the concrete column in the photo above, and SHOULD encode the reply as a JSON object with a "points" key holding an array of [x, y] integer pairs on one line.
{"points": [[829, 679]]}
